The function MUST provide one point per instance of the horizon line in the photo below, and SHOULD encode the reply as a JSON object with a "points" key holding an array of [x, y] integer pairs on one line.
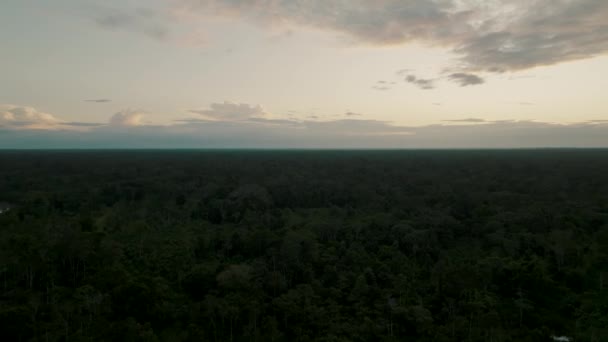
{"points": [[298, 149]]}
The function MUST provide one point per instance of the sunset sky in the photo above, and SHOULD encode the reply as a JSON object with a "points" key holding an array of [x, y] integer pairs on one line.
{"points": [[303, 73]]}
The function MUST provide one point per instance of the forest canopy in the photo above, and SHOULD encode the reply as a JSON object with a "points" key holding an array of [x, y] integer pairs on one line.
{"points": [[304, 245]]}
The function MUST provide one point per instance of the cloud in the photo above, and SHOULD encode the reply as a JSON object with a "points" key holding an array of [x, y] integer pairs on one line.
{"points": [[83, 124], [351, 114], [126, 118], [22, 117], [392, 22], [229, 111], [354, 127], [488, 36], [141, 20], [468, 120], [421, 83], [25, 118], [383, 85], [536, 33], [465, 79], [380, 87], [99, 100], [231, 125], [348, 133], [273, 122]]}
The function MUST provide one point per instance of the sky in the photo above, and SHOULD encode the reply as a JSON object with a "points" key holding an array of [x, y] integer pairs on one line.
{"points": [[303, 73]]}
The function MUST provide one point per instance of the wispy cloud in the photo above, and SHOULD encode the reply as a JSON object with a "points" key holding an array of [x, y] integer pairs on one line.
{"points": [[381, 87], [421, 83], [143, 20], [468, 120], [83, 124], [98, 100]]}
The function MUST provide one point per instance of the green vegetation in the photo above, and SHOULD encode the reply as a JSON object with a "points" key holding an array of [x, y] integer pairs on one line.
{"points": [[302, 245]]}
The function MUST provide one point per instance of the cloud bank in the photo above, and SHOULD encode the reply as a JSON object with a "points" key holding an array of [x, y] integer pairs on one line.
{"points": [[230, 125], [229, 111]]}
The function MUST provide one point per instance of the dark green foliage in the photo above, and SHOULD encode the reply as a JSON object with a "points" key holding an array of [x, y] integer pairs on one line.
{"points": [[302, 245]]}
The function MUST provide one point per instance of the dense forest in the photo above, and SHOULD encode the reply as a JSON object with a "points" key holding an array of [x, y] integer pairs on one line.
{"points": [[304, 245]]}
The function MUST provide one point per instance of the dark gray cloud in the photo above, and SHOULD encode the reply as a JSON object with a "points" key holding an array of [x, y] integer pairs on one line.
{"points": [[494, 36], [539, 33], [465, 79], [421, 83], [98, 100]]}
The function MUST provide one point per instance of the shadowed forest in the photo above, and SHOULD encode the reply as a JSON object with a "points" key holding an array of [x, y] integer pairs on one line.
{"points": [[304, 245]]}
